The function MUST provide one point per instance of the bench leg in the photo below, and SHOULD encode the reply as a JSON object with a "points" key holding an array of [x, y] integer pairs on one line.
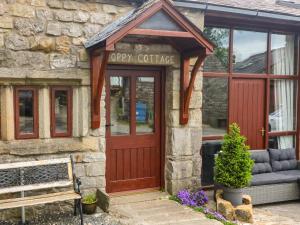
{"points": [[80, 211], [75, 207]]}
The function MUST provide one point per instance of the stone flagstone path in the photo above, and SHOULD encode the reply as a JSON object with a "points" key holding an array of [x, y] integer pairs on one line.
{"points": [[154, 208]]}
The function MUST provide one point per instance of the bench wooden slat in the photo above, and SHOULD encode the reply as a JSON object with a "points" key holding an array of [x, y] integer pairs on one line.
{"points": [[35, 196], [36, 200], [6, 166], [39, 186]]}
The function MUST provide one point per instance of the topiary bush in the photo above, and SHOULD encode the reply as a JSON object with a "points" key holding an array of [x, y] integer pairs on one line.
{"points": [[233, 165]]}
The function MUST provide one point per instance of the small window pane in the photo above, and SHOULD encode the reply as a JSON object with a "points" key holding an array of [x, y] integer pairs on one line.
{"points": [[283, 55], [144, 104], [119, 105], [249, 51], [282, 142], [283, 95], [26, 111], [215, 106], [61, 111], [218, 62]]}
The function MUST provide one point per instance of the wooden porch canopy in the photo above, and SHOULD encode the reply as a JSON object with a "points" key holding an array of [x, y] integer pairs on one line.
{"points": [[153, 22]]}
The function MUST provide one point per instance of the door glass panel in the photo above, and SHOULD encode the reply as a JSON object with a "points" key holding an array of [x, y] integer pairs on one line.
{"points": [[26, 110], [283, 55], [283, 97], [249, 51], [144, 104], [61, 111], [215, 106], [120, 105]]}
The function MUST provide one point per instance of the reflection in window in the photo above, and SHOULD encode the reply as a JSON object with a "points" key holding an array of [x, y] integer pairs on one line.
{"points": [[218, 62], [61, 111], [119, 105], [282, 49], [26, 111], [282, 142], [282, 105], [249, 51], [215, 98], [145, 104]]}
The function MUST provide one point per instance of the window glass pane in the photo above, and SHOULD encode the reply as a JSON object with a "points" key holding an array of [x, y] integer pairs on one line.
{"points": [[249, 51], [26, 111], [144, 104], [282, 142], [283, 62], [215, 105], [119, 105], [282, 110], [218, 62], [61, 111]]}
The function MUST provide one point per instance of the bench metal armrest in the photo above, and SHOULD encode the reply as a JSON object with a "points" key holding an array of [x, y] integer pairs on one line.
{"points": [[77, 184]]}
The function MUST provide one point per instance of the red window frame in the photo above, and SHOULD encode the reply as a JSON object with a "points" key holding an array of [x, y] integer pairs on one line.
{"points": [[69, 111], [35, 133]]}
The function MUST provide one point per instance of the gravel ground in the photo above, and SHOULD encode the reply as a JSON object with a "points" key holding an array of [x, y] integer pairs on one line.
{"points": [[100, 218]]}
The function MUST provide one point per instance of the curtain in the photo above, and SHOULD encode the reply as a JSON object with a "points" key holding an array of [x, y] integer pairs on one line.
{"points": [[283, 64]]}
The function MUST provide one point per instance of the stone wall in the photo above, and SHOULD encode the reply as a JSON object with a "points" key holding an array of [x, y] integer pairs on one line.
{"points": [[41, 44]]}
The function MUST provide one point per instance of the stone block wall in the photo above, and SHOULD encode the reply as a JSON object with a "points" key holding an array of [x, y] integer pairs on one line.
{"points": [[41, 44]]}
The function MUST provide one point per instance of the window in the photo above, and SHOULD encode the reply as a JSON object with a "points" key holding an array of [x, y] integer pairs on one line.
{"points": [[61, 111], [218, 62], [249, 52], [26, 112], [283, 54]]}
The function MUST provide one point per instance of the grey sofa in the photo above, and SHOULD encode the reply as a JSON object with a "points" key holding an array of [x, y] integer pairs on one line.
{"points": [[276, 176]]}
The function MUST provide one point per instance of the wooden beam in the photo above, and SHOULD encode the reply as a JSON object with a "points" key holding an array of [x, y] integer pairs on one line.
{"points": [[187, 85], [98, 67], [161, 33], [184, 76]]}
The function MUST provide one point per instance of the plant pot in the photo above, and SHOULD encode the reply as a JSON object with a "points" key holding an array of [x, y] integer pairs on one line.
{"points": [[235, 196], [89, 208]]}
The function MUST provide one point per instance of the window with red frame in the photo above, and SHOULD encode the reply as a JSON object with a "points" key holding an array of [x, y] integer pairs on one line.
{"points": [[26, 112], [61, 111]]}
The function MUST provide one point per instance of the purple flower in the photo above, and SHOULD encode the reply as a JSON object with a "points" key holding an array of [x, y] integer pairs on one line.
{"points": [[196, 199]]}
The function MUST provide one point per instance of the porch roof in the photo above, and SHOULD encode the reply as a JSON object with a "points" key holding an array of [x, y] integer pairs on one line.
{"points": [[122, 27], [155, 21]]}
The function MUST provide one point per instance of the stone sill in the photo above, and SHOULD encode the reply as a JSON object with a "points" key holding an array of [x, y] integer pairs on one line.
{"points": [[49, 146]]}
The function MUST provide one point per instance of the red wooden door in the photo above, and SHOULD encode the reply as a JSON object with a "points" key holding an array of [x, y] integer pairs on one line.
{"points": [[247, 109], [133, 118]]}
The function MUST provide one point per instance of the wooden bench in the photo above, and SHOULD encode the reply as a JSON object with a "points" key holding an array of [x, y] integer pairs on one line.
{"points": [[35, 176]]}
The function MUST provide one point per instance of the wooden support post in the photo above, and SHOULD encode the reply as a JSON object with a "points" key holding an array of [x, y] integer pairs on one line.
{"points": [[98, 67], [187, 85]]}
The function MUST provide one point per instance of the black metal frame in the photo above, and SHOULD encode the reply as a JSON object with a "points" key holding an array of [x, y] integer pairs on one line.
{"points": [[77, 202]]}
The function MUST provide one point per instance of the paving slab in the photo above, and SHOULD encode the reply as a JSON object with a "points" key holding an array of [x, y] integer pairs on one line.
{"points": [[155, 208]]}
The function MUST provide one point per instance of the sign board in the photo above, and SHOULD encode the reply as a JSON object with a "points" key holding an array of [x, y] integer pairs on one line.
{"points": [[143, 58]]}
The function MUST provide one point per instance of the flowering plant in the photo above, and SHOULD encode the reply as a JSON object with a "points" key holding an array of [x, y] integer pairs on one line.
{"points": [[193, 199], [198, 200]]}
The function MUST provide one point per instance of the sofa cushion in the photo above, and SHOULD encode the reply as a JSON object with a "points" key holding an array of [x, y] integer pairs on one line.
{"points": [[272, 178], [261, 161], [283, 159], [294, 173]]}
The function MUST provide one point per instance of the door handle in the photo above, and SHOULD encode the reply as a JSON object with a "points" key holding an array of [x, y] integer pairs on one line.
{"points": [[109, 125], [263, 131]]}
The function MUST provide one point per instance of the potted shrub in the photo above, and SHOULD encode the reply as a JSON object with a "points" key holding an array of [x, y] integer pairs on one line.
{"points": [[233, 166], [89, 203]]}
